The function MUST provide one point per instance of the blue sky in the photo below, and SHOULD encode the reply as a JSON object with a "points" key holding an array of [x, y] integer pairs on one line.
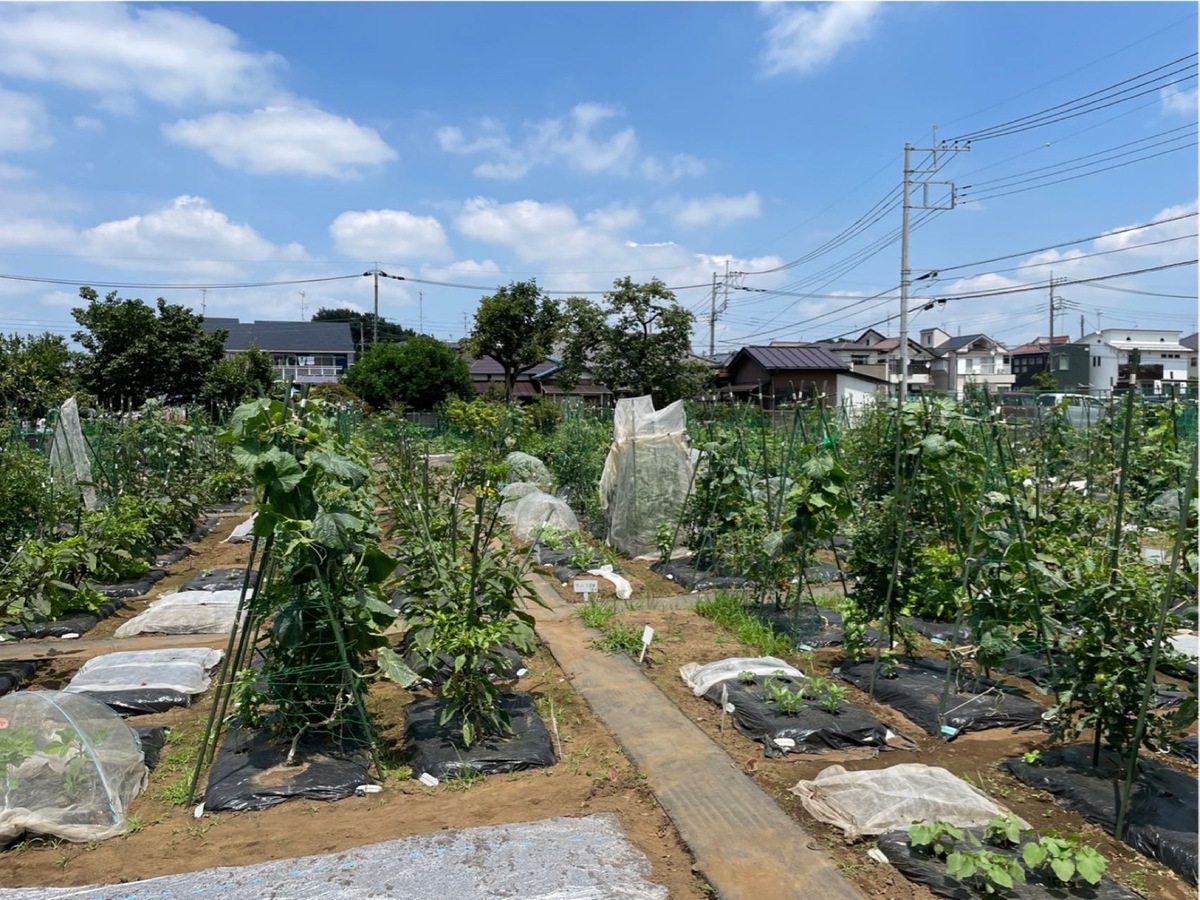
{"points": [[475, 144]]}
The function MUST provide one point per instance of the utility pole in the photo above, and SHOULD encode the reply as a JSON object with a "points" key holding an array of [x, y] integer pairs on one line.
{"points": [[1050, 351], [905, 272], [303, 311], [1081, 326], [203, 301], [375, 322], [712, 322], [421, 309]]}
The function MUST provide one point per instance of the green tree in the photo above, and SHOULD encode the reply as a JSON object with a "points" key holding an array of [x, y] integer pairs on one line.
{"points": [[134, 353], [1043, 381], [36, 373], [636, 342], [420, 373], [241, 377], [362, 327], [517, 327]]}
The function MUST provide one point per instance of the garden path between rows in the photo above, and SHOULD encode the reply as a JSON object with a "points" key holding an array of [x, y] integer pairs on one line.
{"points": [[745, 845]]}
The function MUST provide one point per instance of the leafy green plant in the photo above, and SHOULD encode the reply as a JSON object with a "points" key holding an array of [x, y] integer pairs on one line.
{"points": [[747, 677], [1032, 757], [832, 699], [1066, 857], [620, 638], [595, 614]]}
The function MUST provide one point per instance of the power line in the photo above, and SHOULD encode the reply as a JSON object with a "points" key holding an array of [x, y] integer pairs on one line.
{"points": [[37, 279]]}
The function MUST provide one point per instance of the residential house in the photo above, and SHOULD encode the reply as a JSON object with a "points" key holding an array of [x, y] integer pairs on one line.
{"points": [[1189, 344], [1070, 363], [772, 375], [966, 360], [301, 352], [537, 381], [1165, 360], [878, 356]]}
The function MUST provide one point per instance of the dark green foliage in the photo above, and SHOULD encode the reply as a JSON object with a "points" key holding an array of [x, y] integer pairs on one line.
{"points": [[419, 373], [637, 342], [36, 374], [243, 376], [517, 327], [134, 353]]}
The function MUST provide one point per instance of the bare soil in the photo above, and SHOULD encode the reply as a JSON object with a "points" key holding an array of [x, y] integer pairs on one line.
{"points": [[163, 837]]}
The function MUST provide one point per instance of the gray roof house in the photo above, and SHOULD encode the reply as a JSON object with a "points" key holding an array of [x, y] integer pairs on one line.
{"points": [[781, 374], [302, 352]]}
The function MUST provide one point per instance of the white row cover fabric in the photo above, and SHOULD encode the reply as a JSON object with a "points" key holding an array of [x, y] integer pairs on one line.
{"points": [[623, 587], [241, 533], [701, 677], [523, 467], [538, 510], [892, 799], [70, 769], [515, 490], [646, 475], [184, 669], [186, 612]]}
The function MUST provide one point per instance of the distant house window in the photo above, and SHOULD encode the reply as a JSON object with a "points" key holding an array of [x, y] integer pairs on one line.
{"points": [[1095, 361], [1006, 359], [859, 359]]}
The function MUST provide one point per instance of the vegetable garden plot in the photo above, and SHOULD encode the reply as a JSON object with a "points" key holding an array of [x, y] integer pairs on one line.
{"points": [[926, 869], [814, 626], [537, 510], [146, 681], [914, 687], [250, 771], [693, 579], [69, 766], [788, 713], [435, 750], [1162, 816], [75, 623], [219, 580], [136, 588], [186, 612], [938, 632], [15, 674], [880, 800]]}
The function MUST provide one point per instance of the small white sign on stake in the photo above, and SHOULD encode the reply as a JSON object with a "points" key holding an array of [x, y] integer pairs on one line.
{"points": [[647, 637], [587, 587]]}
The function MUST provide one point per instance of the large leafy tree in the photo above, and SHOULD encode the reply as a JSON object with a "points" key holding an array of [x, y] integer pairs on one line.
{"points": [[241, 377], [362, 327], [517, 327], [420, 373], [36, 373], [135, 351], [637, 341]]}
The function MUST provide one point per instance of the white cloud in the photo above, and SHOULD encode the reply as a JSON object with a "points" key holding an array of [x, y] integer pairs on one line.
{"points": [[1180, 101], [87, 123], [10, 172], [681, 165], [34, 232], [570, 140], [187, 234], [717, 209], [171, 56], [802, 38], [588, 252], [1175, 251], [306, 140], [389, 234], [24, 124]]}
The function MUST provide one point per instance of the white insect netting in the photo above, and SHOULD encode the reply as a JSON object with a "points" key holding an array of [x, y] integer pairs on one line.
{"points": [[892, 799], [69, 766], [515, 490], [68, 454], [701, 677], [523, 467], [186, 612], [646, 475], [184, 669], [538, 510]]}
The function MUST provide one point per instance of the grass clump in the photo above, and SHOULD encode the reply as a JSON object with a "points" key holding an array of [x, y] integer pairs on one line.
{"points": [[727, 611]]}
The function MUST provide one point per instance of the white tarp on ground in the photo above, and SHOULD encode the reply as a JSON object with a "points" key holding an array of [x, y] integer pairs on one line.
{"points": [[892, 799], [538, 510], [586, 858], [186, 612], [241, 533], [184, 669], [701, 677], [646, 475]]}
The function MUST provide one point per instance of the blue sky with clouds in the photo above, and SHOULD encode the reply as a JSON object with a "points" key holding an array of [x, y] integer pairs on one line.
{"points": [[474, 144]]}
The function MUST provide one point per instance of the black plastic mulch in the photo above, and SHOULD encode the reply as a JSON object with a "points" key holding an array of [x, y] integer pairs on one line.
{"points": [[813, 626], [921, 868], [167, 558], [694, 579], [812, 728], [135, 588], [435, 750], [152, 738], [69, 623], [508, 663], [141, 702], [1185, 748], [15, 674], [972, 704], [939, 632], [218, 580], [1161, 821], [249, 774], [1033, 666]]}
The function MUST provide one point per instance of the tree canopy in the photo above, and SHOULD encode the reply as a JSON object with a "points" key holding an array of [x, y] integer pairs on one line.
{"points": [[517, 327], [420, 373], [637, 341], [134, 352], [36, 373], [362, 327], [241, 377]]}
